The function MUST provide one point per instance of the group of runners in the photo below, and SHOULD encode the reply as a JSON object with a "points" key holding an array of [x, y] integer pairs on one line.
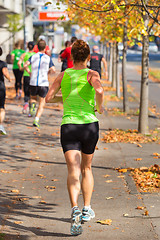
{"points": [[82, 96]]}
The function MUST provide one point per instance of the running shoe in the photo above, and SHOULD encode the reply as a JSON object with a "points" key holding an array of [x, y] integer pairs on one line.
{"points": [[76, 219], [16, 97], [25, 106], [32, 109], [2, 130], [36, 123], [87, 214], [20, 94]]}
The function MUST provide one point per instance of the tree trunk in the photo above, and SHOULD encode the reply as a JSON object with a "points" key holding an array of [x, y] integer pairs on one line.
{"points": [[107, 55], [110, 62], [143, 115], [118, 93], [124, 75], [114, 66]]}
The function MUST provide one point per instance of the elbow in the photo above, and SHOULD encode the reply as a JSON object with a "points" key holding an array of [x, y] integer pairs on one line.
{"points": [[99, 91]]}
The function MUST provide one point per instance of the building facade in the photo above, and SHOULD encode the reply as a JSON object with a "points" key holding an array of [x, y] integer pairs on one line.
{"points": [[6, 40]]}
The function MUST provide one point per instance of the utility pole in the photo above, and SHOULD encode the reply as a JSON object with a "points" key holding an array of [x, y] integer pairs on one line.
{"points": [[24, 20]]}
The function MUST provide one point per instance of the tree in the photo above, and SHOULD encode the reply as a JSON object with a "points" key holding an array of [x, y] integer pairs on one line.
{"points": [[14, 22], [108, 19]]}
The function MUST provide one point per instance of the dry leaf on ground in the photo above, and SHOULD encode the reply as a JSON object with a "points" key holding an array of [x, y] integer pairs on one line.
{"points": [[105, 222], [140, 208], [18, 222], [15, 191]]}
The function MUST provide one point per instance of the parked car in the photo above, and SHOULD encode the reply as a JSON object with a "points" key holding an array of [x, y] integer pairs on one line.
{"points": [[137, 46], [120, 46], [153, 47]]}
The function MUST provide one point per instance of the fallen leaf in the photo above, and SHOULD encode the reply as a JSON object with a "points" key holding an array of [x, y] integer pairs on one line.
{"points": [[122, 176], [42, 202], [5, 171], [139, 145], [108, 181], [106, 175], [105, 222], [140, 208], [146, 213], [122, 170], [138, 159], [156, 154], [50, 188], [54, 134], [41, 175], [125, 214], [15, 191], [108, 198], [36, 197], [18, 222]]}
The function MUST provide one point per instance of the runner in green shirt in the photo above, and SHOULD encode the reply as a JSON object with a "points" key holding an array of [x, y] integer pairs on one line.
{"points": [[15, 56], [26, 77], [80, 87]]}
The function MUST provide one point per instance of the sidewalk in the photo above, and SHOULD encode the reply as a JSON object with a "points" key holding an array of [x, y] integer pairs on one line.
{"points": [[34, 199]]}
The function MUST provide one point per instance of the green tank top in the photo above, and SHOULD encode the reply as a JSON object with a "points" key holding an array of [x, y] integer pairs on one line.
{"points": [[17, 54], [26, 57], [78, 97]]}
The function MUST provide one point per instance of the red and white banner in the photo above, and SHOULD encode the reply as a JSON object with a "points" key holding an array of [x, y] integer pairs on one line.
{"points": [[52, 16]]}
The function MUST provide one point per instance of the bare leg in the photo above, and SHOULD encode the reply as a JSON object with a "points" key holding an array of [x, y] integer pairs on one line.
{"points": [[33, 99], [2, 115], [87, 178], [40, 107], [74, 170]]}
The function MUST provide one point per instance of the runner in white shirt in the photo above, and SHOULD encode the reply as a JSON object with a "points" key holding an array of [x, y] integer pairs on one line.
{"points": [[41, 65]]}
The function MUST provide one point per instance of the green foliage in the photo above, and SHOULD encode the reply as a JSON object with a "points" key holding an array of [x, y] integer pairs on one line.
{"points": [[2, 235], [14, 22]]}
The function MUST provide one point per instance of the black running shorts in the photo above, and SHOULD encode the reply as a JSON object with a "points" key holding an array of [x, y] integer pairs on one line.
{"points": [[82, 137], [38, 90], [2, 94]]}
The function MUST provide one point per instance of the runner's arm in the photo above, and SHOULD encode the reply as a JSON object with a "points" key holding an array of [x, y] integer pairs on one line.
{"points": [[105, 67], [95, 82], [48, 52], [51, 95], [20, 62], [64, 54], [27, 63], [52, 69], [6, 73]]}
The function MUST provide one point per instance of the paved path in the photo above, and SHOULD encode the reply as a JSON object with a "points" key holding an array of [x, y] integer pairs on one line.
{"points": [[32, 163]]}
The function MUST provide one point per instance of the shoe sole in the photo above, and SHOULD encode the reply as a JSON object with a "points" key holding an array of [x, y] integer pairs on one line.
{"points": [[87, 220], [76, 228]]}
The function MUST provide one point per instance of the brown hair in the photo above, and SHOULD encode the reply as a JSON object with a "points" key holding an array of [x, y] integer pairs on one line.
{"points": [[41, 45], [80, 51]]}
